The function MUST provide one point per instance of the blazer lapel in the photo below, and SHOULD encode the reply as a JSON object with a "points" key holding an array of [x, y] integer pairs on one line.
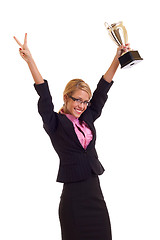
{"points": [[91, 126], [69, 128]]}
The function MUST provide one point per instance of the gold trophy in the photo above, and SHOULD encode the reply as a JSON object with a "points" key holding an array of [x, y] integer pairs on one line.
{"points": [[118, 33]]}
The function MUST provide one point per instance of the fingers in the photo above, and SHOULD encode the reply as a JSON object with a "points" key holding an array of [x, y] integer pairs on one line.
{"points": [[25, 54], [22, 52], [18, 41], [127, 46], [25, 39], [123, 49]]}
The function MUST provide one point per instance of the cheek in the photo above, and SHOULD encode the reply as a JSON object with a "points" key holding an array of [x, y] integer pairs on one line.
{"points": [[71, 105]]}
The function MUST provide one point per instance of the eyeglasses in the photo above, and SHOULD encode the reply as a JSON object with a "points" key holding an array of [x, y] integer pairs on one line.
{"points": [[78, 101]]}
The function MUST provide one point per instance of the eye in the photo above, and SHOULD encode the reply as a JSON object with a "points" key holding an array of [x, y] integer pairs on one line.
{"points": [[86, 102]]}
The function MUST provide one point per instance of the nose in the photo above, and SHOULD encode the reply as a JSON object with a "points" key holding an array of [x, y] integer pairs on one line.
{"points": [[81, 104]]}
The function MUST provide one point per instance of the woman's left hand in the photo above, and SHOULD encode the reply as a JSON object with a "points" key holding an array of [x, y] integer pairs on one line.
{"points": [[122, 49]]}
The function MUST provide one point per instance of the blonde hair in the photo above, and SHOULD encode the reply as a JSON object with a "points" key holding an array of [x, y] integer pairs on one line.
{"points": [[76, 84]]}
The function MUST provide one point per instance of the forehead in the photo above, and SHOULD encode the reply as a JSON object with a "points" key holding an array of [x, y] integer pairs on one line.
{"points": [[81, 94]]}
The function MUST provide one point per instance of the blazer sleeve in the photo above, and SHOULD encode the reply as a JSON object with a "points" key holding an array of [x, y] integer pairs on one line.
{"points": [[46, 107], [99, 98]]}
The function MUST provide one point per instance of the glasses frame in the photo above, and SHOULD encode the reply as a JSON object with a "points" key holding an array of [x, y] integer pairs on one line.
{"points": [[86, 103]]}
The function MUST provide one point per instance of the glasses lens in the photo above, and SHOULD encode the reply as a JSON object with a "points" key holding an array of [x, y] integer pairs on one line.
{"points": [[78, 101]]}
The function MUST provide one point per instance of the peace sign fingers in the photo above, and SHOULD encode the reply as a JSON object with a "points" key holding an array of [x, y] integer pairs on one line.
{"points": [[18, 42], [23, 46], [24, 51], [25, 39]]}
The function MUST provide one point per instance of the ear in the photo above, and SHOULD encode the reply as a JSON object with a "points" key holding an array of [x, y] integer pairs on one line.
{"points": [[65, 97]]}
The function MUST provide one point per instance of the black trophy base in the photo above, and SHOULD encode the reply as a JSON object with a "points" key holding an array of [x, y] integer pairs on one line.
{"points": [[129, 59]]}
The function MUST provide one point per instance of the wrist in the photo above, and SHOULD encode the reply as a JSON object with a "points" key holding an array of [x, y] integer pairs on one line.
{"points": [[30, 61], [115, 60]]}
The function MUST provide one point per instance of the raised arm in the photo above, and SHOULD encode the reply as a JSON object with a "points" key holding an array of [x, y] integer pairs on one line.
{"points": [[108, 76], [26, 55], [45, 105], [100, 95]]}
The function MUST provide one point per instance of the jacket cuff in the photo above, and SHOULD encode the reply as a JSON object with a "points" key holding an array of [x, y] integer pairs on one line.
{"points": [[42, 89], [104, 85]]}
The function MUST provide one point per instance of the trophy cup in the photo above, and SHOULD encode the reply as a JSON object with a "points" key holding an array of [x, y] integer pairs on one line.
{"points": [[118, 33]]}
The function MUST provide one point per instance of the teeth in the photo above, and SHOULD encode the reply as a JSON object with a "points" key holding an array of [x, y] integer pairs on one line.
{"points": [[78, 110]]}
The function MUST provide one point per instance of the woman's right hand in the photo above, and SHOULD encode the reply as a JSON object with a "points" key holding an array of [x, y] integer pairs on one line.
{"points": [[24, 50]]}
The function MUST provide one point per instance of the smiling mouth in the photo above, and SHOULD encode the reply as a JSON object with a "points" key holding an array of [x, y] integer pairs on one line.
{"points": [[78, 111]]}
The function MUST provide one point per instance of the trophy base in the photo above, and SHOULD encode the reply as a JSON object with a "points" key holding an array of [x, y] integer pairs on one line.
{"points": [[129, 59]]}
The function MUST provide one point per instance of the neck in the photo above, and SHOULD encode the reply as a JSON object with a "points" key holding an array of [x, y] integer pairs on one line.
{"points": [[64, 110]]}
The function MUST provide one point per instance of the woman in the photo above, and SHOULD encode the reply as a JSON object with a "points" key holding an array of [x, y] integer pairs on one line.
{"points": [[82, 210]]}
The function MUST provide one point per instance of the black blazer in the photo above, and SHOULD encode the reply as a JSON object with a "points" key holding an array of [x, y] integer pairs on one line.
{"points": [[76, 163]]}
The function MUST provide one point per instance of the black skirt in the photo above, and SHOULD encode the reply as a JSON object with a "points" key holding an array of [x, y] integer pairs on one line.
{"points": [[82, 211]]}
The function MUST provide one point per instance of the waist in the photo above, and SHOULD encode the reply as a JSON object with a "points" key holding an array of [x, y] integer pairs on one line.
{"points": [[83, 189]]}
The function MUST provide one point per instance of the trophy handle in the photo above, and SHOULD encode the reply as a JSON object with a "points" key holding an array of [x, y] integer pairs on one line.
{"points": [[125, 35], [118, 33]]}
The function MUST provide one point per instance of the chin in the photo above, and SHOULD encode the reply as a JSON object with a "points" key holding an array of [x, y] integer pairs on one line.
{"points": [[77, 114]]}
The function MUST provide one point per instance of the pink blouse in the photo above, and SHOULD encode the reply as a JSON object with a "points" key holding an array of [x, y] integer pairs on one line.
{"points": [[83, 132]]}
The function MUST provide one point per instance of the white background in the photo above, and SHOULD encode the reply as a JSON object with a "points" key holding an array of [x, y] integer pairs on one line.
{"points": [[68, 40]]}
